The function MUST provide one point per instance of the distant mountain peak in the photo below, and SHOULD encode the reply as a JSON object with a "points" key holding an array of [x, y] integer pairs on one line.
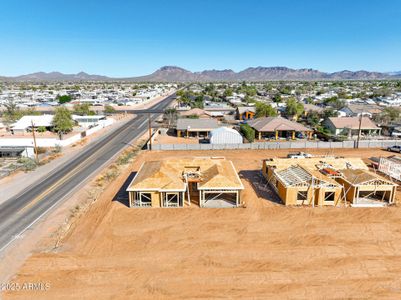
{"points": [[178, 74], [172, 68]]}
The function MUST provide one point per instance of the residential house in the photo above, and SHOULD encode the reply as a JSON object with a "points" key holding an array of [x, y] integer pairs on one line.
{"points": [[27, 122], [195, 127], [350, 126], [208, 182], [308, 108], [245, 112], [198, 112], [355, 110], [278, 127]]}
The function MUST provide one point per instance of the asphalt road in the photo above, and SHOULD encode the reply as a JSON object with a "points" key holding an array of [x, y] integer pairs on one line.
{"points": [[22, 211]]}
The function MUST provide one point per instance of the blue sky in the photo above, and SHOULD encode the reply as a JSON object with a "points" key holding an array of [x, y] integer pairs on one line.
{"points": [[129, 38]]}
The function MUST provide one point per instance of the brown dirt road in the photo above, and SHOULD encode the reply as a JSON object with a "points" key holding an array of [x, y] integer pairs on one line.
{"points": [[262, 251]]}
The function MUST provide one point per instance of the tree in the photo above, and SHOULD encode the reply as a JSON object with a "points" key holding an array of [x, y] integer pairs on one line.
{"points": [[195, 103], [313, 118], [294, 108], [329, 112], [388, 115], [62, 121], [108, 109], [228, 92], [41, 129], [265, 110], [12, 112], [180, 93], [277, 98], [249, 99], [285, 90], [170, 115], [83, 109], [308, 100], [248, 132], [63, 99], [334, 102]]}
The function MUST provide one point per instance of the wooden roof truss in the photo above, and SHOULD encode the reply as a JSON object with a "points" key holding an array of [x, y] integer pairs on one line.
{"points": [[296, 176]]}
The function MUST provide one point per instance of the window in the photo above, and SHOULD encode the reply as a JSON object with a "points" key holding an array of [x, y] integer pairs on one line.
{"points": [[302, 196], [329, 196], [146, 199], [172, 200]]}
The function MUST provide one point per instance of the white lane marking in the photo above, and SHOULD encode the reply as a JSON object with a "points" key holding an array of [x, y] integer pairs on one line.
{"points": [[16, 236]]}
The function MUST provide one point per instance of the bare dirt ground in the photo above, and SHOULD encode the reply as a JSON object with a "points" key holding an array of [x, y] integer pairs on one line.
{"points": [[169, 139], [263, 251]]}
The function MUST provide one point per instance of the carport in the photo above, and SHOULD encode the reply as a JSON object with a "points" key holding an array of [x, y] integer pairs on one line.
{"points": [[12, 151]]}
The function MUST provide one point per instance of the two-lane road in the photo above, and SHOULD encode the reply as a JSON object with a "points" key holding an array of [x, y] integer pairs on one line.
{"points": [[20, 212]]}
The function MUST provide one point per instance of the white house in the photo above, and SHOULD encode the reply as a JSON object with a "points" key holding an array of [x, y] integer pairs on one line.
{"points": [[25, 123], [87, 121]]}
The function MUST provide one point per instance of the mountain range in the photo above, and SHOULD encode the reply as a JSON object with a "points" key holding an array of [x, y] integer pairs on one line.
{"points": [[177, 74]]}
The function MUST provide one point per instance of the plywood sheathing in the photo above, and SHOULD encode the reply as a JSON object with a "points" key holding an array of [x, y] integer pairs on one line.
{"points": [[168, 175]]}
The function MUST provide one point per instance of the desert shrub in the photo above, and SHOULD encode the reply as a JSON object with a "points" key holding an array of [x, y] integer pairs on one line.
{"points": [[126, 157], [110, 175], [41, 150], [28, 164], [57, 149], [41, 129]]}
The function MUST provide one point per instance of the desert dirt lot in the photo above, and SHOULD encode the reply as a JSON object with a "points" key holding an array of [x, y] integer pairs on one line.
{"points": [[262, 251]]}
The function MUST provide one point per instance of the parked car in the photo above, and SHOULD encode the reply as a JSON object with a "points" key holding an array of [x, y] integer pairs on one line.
{"points": [[299, 155], [394, 149]]}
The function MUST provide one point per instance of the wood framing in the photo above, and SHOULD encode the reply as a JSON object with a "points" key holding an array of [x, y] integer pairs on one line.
{"points": [[212, 182], [327, 181], [365, 187]]}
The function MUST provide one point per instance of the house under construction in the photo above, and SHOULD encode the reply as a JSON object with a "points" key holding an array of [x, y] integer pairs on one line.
{"points": [[208, 182], [327, 181]]}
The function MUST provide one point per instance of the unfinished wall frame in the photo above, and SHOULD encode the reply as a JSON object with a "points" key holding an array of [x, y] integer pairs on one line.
{"points": [[230, 197]]}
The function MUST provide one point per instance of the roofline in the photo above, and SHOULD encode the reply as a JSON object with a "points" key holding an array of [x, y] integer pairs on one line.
{"points": [[364, 182], [236, 174], [128, 188], [156, 190], [224, 188]]}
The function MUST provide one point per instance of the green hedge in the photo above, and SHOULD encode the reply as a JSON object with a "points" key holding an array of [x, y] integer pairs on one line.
{"points": [[248, 132]]}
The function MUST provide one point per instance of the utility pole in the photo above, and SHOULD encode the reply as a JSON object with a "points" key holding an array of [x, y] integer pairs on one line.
{"points": [[150, 132], [359, 130], [313, 192], [34, 142]]}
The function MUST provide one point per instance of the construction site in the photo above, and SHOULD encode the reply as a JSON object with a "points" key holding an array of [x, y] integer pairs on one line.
{"points": [[328, 180], [204, 181], [263, 249]]}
